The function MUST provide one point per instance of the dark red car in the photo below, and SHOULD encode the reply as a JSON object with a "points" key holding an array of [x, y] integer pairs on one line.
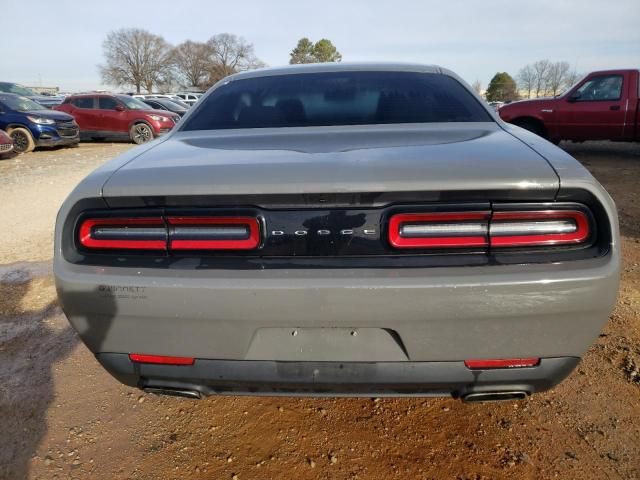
{"points": [[6, 145], [102, 115], [603, 105]]}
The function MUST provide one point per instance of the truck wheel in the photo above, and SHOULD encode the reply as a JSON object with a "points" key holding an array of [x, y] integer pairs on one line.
{"points": [[533, 126], [141, 133], [22, 140]]}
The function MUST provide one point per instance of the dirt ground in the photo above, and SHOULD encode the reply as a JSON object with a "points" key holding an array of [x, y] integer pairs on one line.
{"points": [[62, 416]]}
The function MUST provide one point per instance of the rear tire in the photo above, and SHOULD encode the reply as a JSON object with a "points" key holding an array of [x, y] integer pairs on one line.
{"points": [[141, 133], [23, 141], [533, 126]]}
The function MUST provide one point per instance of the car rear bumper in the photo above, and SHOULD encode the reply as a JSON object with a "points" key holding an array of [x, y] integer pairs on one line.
{"points": [[6, 148], [238, 377], [346, 315]]}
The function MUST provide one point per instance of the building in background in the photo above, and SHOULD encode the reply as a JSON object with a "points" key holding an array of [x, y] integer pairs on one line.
{"points": [[45, 90]]}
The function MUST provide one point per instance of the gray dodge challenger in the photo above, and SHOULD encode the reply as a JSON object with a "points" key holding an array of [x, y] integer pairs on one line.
{"points": [[340, 229]]}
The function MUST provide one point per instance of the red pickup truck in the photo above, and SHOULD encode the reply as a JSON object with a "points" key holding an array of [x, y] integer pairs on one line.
{"points": [[602, 106]]}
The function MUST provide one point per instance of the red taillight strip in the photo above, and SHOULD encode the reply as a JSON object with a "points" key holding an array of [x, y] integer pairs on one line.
{"points": [[161, 359], [451, 233], [249, 243], [502, 363], [579, 235], [87, 240], [502, 229]]}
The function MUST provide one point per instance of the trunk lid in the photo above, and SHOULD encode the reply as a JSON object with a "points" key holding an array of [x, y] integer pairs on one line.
{"points": [[333, 160]]}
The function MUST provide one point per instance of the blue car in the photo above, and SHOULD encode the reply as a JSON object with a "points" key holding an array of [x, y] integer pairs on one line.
{"points": [[44, 100], [30, 125]]}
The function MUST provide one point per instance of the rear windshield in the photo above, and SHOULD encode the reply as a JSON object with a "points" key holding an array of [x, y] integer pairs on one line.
{"points": [[337, 98]]}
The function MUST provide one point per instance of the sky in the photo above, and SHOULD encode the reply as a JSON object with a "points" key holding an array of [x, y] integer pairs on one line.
{"points": [[60, 43]]}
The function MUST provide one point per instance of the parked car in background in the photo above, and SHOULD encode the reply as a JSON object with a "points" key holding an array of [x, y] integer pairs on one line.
{"points": [[103, 115], [161, 103], [337, 229], [30, 125], [181, 103], [6, 145], [48, 101], [189, 98], [174, 98], [604, 105]]}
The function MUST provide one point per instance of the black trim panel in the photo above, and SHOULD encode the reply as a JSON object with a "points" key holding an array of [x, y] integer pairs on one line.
{"points": [[263, 377], [336, 238]]}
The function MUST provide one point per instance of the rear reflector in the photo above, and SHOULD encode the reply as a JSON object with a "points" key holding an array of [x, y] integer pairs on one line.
{"points": [[213, 233], [501, 363], [545, 227], [439, 230], [143, 233], [161, 359]]}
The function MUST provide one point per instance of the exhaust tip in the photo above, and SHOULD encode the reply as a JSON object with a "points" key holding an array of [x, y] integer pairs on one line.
{"points": [[494, 396], [174, 392]]}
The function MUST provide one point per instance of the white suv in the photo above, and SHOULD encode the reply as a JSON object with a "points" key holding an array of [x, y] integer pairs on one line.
{"points": [[189, 98]]}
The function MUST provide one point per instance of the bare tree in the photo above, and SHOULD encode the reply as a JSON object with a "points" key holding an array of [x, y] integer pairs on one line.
{"points": [[159, 70], [192, 61], [477, 87], [527, 79], [557, 76], [541, 70], [134, 57], [572, 78], [230, 54]]}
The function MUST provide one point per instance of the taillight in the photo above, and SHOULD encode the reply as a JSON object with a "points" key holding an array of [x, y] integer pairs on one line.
{"points": [[545, 227], [497, 229], [170, 233], [141, 233], [213, 233], [502, 363], [439, 230]]}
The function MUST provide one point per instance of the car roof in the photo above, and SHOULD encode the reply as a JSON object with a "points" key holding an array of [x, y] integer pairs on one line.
{"points": [[340, 67], [97, 94], [613, 71]]}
